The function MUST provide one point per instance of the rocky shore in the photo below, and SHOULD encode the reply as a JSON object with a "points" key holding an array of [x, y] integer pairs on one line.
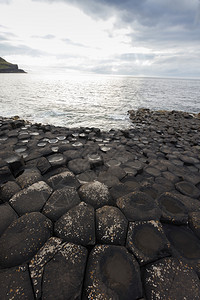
{"points": [[87, 214]]}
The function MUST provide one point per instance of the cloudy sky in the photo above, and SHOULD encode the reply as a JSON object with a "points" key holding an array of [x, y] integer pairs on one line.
{"points": [[126, 37]]}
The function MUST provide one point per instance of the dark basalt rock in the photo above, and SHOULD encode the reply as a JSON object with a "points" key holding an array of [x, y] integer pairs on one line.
{"points": [[173, 210], [15, 163], [186, 244], [8, 215], [86, 177], [63, 179], [147, 241], [95, 194], [29, 177], [63, 274], [5, 175], [37, 264], [112, 273], [15, 283], [171, 278], [60, 202], [77, 225], [57, 160], [138, 206], [31, 198], [43, 165], [79, 165], [111, 226], [8, 189], [188, 189], [194, 222], [23, 238]]}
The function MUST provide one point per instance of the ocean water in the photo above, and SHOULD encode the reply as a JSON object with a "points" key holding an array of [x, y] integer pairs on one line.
{"points": [[92, 101]]}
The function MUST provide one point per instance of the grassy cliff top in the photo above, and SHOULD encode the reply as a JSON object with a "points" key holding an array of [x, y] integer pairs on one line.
{"points": [[6, 67]]}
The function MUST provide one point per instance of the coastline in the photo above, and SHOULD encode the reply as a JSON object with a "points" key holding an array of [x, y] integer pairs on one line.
{"points": [[90, 202]]}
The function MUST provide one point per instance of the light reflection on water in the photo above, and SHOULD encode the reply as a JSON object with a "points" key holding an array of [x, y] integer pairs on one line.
{"points": [[93, 101]]}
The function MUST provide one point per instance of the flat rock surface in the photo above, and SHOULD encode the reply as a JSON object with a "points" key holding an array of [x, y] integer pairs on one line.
{"points": [[89, 214]]}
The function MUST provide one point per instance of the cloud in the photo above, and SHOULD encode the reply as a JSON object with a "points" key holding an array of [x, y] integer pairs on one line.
{"points": [[45, 37], [9, 49]]}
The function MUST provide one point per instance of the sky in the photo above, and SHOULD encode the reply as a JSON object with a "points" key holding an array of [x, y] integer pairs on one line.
{"points": [[118, 37]]}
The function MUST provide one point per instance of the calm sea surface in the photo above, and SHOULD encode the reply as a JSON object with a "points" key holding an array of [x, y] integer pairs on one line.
{"points": [[93, 101]]}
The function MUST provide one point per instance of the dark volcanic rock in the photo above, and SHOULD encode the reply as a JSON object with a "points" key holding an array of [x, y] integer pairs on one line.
{"points": [[170, 278], [147, 241], [188, 189], [185, 243], [194, 222], [63, 179], [112, 273], [43, 256], [15, 283], [95, 194], [8, 189], [79, 165], [77, 225], [43, 165], [5, 175], [29, 177], [31, 198], [173, 210], [111, 226], [64, 273], [8, 215], [23, 238], [60, 202], [139, 206]]}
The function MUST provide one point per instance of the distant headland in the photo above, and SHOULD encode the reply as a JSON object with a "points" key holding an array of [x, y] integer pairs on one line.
{"points": [[6, 67]]}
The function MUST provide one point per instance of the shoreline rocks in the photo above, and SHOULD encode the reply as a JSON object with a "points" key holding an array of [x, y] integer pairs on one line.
{"points": [[88, 214]]}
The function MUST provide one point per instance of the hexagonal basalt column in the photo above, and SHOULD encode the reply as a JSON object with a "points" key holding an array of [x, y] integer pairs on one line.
{"points": [[112, 273]]}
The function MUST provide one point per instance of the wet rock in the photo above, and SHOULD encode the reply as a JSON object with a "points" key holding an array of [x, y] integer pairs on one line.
{"points": [[95, 160], [43, 165], [173, 210], [36, 265], [79, 165], [95, 194], [29, 177], [63, 179], [194, 222], [31, 198], [56, 160], [60, 202], [170, 278], [63, 275], [111, 226], [112, 273], [15, 283], [139, 206], [8, 215], [72, 154], [77, 225], [8, 189], [188, 189], [23, 238], [147, 241]]}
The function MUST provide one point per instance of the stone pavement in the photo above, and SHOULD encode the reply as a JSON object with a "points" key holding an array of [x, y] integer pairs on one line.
{"points": [[86, 214]]}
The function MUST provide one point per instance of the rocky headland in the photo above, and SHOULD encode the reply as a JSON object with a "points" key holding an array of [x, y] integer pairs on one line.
{"points": [[6, 67], [87, 214]]}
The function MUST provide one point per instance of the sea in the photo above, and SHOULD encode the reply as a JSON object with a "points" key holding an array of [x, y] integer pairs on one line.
{"points": [[101, 101]]}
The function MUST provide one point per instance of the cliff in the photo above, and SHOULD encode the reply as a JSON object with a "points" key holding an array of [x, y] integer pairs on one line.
{"points": [[6, 67]]}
